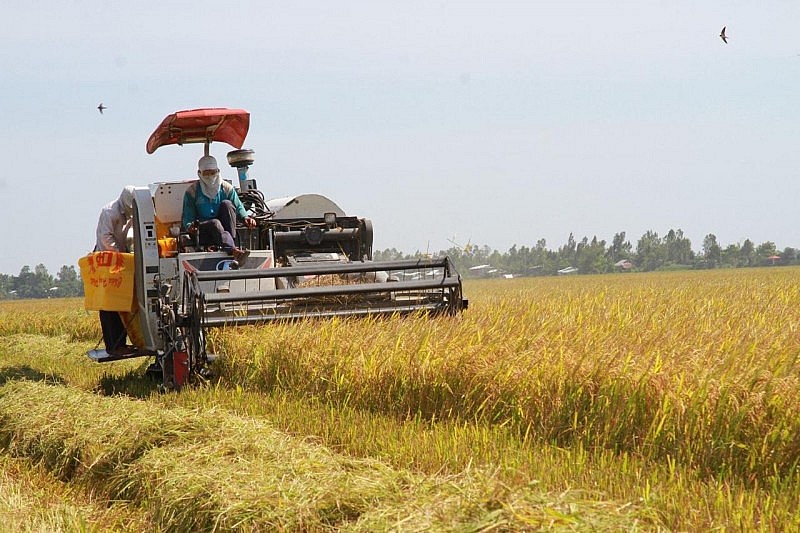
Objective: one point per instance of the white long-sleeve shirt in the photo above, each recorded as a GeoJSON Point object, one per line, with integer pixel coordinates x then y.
{"type": "Point", "coordinates": [112, 228]}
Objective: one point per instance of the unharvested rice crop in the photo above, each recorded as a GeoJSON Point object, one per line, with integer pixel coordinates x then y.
{"type": "Point", "coordinates": [700, 367]}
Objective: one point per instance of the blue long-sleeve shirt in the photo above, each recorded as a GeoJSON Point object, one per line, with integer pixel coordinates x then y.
{"type": "Point", "coordinates": [198, 206]}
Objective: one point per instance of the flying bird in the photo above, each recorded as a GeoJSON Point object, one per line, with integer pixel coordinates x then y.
{"type": "Point", "coordinates": [723, 36]}
{"type": "Point", "coordinates": [101, 107]}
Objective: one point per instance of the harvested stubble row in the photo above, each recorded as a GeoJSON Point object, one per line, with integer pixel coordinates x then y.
{"type": "Point", "coordinates": [212, 470]}
{"type": "Point", "coordinates": [32, 500]}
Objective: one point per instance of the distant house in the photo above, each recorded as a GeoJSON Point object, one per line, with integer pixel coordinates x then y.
{"type": "Point", "coordinates": [624, 264]}
{"type": "Point", "coordinates": [568, 270]}
{"type": "Point", "coordinates": [488, 271]}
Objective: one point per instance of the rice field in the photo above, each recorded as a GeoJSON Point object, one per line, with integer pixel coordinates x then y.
{"type": "Point", "coordinates": [663, 401]}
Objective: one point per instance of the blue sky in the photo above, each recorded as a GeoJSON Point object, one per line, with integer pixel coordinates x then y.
{"type": "Point", "coordinates": [493, 122]}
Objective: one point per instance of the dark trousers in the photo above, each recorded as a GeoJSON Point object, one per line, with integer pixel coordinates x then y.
{"type": "Point", "coordinates": [114, 332]}
{"type": "Point", "coordinates": [220, 231]}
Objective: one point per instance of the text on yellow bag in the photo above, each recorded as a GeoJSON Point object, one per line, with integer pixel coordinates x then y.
{"type": "Point", "coordinates": [108, 281]}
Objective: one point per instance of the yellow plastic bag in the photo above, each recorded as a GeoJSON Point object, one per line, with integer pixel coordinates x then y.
{"type": "Point", "coordinates": [134, 328]}
{"type": "Point", "coordinates": [108, 281]}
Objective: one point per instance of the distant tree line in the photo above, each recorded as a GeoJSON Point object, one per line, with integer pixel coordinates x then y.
{"type": "Point", "coordinates": [652, 252]}
{"type": "Point", "coordinates": [38, 283]}
{"type": "Point", "coordinates": [673, 251]}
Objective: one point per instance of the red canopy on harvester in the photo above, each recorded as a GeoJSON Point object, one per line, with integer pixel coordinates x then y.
{"type": "Point", "coordinates": [201, 126]}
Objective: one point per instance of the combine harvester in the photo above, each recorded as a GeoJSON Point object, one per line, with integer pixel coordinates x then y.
{"type": "Point", "coordinates": [308, 258]}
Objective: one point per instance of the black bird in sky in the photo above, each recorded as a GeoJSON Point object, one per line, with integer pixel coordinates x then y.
{"type": "Point", "coordinates": [101, 107]}
{"type": "Point", "coordinates": [723, 36]}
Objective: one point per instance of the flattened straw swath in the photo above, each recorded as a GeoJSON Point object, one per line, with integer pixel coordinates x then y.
{"type": "Point", "coordinates": [212, 470]}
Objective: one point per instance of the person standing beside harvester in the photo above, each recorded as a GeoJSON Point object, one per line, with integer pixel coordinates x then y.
{"type": "Point", "coordinates": [112, 236]}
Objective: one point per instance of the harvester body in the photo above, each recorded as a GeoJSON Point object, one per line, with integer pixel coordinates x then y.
{"type": "Point", "coordinates": [307, 258]}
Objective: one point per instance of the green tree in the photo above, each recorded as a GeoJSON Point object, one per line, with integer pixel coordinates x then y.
{"type": "Point", "coordinates": [619, 249]}
{"type": "Point", "coordinates": [678, 248]}
{"type": "Point", "coordinates": [540, 259]}
{"type": "Point", "coordinates": [390, 254]}
{"type": "Point", "coordinates": [566, 254]}
{"type": "Point", "coordinates": [764, 251]}
{"type": "Point", "coordinates": [711, 250]}
{"type": "Point", "coordinates": [747, 253]}
{"type": "Point", "coordinates": [6, 286]}
{"type": "Point", "coordinates": [731, 255]}
{"type": "Point", "coordinates": [650, 251]}
{"type": "Point", "coordinates": [34, 284]}
{"type": "Point", "coordinates": [591, 256]}
{"type": "Point", "coordinates": [68, 282]}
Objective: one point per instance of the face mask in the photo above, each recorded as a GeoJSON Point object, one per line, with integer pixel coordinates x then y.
{"type": "Point", "coordinates": [210, 184]}
{"type": "Point", "coordinates": [208, 179]}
